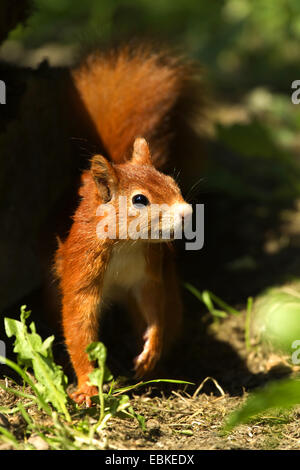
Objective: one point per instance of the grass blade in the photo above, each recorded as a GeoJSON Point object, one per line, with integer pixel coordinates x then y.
{"type": "Point", "coordinates": [42, 403]}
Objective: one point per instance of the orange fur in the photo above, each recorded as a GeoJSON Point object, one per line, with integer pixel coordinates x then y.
{"type": "Point", "coordinates": [138, 91]}
{"type": "Point", "coordinates": [126, 95]}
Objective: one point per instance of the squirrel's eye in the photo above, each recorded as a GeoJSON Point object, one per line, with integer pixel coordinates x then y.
{"type": "Point", "coordinates": [140, 200]}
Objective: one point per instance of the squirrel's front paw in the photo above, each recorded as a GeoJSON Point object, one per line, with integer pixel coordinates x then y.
{"type": "Point", "coordinates": [146, 361]}
{"type": "Point", "coordinates": [83, 394]}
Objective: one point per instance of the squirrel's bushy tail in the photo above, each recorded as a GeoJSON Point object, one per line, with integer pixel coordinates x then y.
{"type": "Point", "coordinates": [134, 92]}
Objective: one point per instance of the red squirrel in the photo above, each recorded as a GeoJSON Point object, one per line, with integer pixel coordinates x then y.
{"type": "Point", "coordinates": [131, 98]}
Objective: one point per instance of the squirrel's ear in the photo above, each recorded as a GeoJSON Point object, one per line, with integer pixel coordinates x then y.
{"type": "Point", "coordinates": [104, 176]}
{"type": "Point", "coordinates": [141, 153]}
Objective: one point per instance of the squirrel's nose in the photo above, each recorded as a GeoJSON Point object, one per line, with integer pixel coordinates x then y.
{"type": "Point", "coordinates": [184, 210]}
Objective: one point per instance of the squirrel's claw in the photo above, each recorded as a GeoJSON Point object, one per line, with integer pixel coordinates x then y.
{"type": "Point", "coordinates": [83, 395]}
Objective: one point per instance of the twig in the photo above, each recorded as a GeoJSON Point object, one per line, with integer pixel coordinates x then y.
{"type": "Point", "coordinates": [204, 382]}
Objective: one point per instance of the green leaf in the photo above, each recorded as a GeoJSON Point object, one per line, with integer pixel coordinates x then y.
{"type": "Point", "coordinates": [95, 377]}
{"type": "Point", "coordinates": [142, 422]}
{"type": "Point", "coordinates": [140, 418]}
{"type": "Point", "coordinates": [33, 352]}
{"type": "Point", "coordinates": [282, 394]}
{"type": "Point", "coordinates": [24, 314]}
{"type": "Point", "coordinates": [97, 352]}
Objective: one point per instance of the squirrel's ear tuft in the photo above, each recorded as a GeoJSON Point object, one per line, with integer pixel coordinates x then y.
{"type": "Point", "coordinates": [141, 153]}
{"type": "Point", "coordinates": [104, 176]}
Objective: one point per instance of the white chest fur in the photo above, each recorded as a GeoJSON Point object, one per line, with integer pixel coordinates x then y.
{"type": "Point", "coordinates": [125, 270]}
